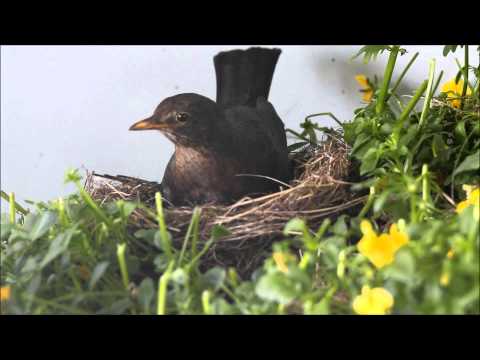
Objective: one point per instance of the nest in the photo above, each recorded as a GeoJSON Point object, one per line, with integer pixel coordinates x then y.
{"type": "Point", "coordinates": [320, 189]}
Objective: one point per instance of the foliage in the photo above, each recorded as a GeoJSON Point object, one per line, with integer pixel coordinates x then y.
{"type": "Point", "coordinates": [413, 248]}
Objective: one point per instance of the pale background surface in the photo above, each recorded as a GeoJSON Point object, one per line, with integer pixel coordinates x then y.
{"type": "Point", "coordinates": [71, 106]}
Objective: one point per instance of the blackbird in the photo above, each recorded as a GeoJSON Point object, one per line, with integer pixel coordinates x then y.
{"type": "Point", "coordinates": [230, 148]}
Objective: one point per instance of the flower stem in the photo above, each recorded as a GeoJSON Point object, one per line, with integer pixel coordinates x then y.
{"type": "Point", "coordinates": [18, 207]}
{"type": "Point", "coordinates": [426, 104]}
{"type": "Point", "coordinates": [437, 83]}
{"type": "Point", "coordinates": [369, 203]}
{"type": "Point", "coordinates": [89, 201]}
{"type": "Point", "coordinates": [425, 184]}
{"type": "Point", "coordinates": [195, 236]}
{"type": "Point", "coordinates": [123, 265]}
{"type": "Point", "coordinates": [478, 79]}
{"type": "Point", "coordinates": [61, 211]}
{"type": "Point", "coordinates": [191, 226]}
{"type": "Point", "coordinates": [163, 228]}
{"type": "Point", "coordinates": [300, 136]}
{"type": "Point", "coordinates": [465, 76]}
{"type": "Point", "coordinates": [407, 110]}
{"type": "Point", "coordinates": [322, 229]}
{"type": "Point", "coordinates": [207, 309]}
{"type": "Point", "coordinates": [162, 289]}
{"type": "Point", "coordinates": [404, 72]}
{"type": "Point", "coordinates": [387, 77]}
{"type": "Point", "coordinates": [413, 208]}
{"type": "Point", "coordinates": [12, 207]}
{"type": "Point", "coordinates": [325, 114]}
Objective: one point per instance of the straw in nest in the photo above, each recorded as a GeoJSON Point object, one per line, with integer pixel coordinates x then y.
{"type": "Point", "coordinates": [320, 189]}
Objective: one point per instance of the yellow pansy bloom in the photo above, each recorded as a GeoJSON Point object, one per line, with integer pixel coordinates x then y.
{"type": "Point", "coordinates": [380, 250]}
{"type": "Point", "coordinates": [450, 254]}
{"type": "Point", "coordinates": [5, 293]}
{"type": "Point", "coordinates": [366, 88]}
{"type": "Point", "coordinates": [280, 260]}
{"type": "Point", "coordinates": [473, 198]}
{"type": "Point", "coordinates": [376, 301]}
{"type": "Point", "coordinates": [454, 91]}
{"type": "Point", "coordinates": [444, 279]}
{"type": "Point", "coordinates": [468, 189]}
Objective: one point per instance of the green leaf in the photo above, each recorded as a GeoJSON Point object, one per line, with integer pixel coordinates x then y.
{"type": "Point", "coordinates": [386, 129]}
{"type": "Point", "coordinates": [295, 225]}
{"type": "Point", "coordinates": [467, 221]}
{"type": "Point", "coordinates": [276, 287]}
{"type": "Point", "coordinates": [118, 307]}
{"type": "Point", "coordinates": [218, 231]}
{"type": "Point", "coordinates": [146, 293]}
{"type": "Point", "coordinates": [72, 175]}
{"type": "Point", "coordinates": [460, 132]}
{"type": "Point", "coordinates": [360, 152]}
{"type": "Point", "coordinates": [98, 273]}
{"type": "Point", "coordinates": [449, 49]}
{"type": "Point", "coordinates": [296, 146]}
{"type": "Point", "coordinates": [146, 234]}
{"type": "Point", "coordinates": [369, 161]}
{"type": "Point", "coordinates": [438, 145]}
{"type": "Point", "coordinates": [370, 52]}
{"type": "Point", "coordinates": [380, 201]}
{"type": "Point", "coordinates": [458, 76]}
{"type": "Point", "coordinates": [30, 265]}
{"type": "Point", "coordinates": [127, 207]}
{"type": "Point", "coordinates": [340, 227]}
{"type": "Point", "coordinates": [39, 224]}
{"type": "Point", "coordinates": [403, 268]}
{"type": "Point", "coordinates": [320, 308]}
{"type": "Point", "coordinates": [360, 141]}
{"type": "Point", "coordinates": [161, 262]}
{"type": "Point", "coordinates": [349, 132]}
{"type": "Point", "coordinates": [158, 241]}
{"type": "Point", "coordinates": [58, 246]}
{"type": "Point", "coordinates": [409, 136]}
{"type": "Point", "coordinates": [179, 276]}
{"type": "Point", "coordinates": [471, 163]}
{"type": "Point", "coordinates": [5, 230]}
{"type": "Point", "coordinates": [34, 284]}
{"type": "Point", "coordinates": [214, 278]}
{"type": "Point", "coordinates": [111, 208]}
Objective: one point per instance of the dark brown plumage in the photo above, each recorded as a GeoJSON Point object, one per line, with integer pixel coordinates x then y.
{"type": "Point", "coordinates": [224, 150]}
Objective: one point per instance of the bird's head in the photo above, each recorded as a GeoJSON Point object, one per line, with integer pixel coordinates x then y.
{"type": "Point", "coordinates": [186, 119]}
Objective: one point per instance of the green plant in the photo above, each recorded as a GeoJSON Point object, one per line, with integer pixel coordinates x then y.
{"type": "Point", "coordinates": [75, 256]}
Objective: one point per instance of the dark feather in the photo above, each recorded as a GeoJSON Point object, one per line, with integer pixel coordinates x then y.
{"type": "Point", "coordinates": [244, 75]}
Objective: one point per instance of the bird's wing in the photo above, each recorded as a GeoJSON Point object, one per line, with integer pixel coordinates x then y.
{"type": "Point", "coordinates": [273, 125]}
{"type": "Point", "coordinates": [259, 138]}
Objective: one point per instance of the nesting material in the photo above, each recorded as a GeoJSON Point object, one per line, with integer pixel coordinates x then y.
{"type": "Point", "coordinates": [320, 189]}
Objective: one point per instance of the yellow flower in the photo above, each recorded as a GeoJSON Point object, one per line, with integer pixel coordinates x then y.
{"type": "Point", "coordinates": [5, 293]}
{"type": "Point", "coordinates": [468, 189]}
{"type": "Point", "coordinates": [398, 238]}
{"type": "Point", "coordinates": [473, 198]}
{"type": "Point", "coordinates": [280, 260]}
{"type": "Point", "coordinates": [450, 254]}
{"type": "Point", "coordinates": [444, 279]}
{"type": "Point", "coordinates": [376, 301]}
{"type": "Point", "coordinates": [366, 87]}
{"type": "Point", "coordinates": [380, 250]}
{"type": "Point", "coordinates": [454, 92]}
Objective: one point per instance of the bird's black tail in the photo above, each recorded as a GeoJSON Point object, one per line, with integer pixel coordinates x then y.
{"type": "Point", "coordinates": [244, 75]}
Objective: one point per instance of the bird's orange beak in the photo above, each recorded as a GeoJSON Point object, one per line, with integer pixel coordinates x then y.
{"type": "Point", "coordinates": [148, 124]}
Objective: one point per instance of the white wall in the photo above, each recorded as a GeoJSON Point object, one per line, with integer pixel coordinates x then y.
{"type": "Point", "coordinates": [71, 106]}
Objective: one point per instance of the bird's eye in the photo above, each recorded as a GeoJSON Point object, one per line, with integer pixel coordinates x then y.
{"type": "Point", "coordinates": [182, 117]}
